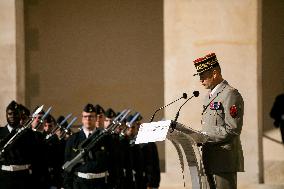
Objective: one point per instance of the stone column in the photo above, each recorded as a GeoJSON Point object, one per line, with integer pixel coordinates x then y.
{"type": "Point", "coordinates": [12, 63]}
{"type": "Point", "coordinates": [230, 29]}
{"type": "Point", "coordinates": [7, 56]}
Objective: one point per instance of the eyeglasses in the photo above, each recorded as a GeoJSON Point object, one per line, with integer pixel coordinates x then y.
{"type": "Point", "coordinates": [89, 116]}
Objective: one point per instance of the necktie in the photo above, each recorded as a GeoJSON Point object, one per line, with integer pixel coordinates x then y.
{"type": "Point", "coordinates": [89, 135]}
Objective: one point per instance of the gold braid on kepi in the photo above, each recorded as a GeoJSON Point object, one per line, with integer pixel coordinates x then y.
{"type": "Point", "coordinates": [205, 63]}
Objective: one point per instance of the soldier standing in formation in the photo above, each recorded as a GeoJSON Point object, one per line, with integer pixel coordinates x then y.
{"type": "Point", "coordinates": [34, 160]}
{"type": "Point", "coordinates": [222, 121]}
{"type": "Point", "coordinates": [140, 162]}
{"type": "Point", "coordinates": [20, 166]}
{"type": "Point", "coordinates": [97, 170]}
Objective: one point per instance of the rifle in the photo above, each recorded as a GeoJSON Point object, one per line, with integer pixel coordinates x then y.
{"type": "Point", "coordinates": [92, 140]}
{"type": "Point", "coordinates": [42, 119]}
{"type": "Point", "coordinates": [58, 126]}
{"type": "Point", "coordinates": [129, 124]}
{"type": "Point", "coordinates": [66, 130]}
{"type": "Point", "coordinates": [19, 132]}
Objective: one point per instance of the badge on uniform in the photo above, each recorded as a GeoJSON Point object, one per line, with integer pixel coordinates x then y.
{"type": "Point", "coordinates": [234, 111]}
{"type": "Point", "coordinates": [215, 105]}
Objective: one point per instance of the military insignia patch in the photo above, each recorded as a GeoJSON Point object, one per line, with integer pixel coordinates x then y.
{"type": "Point", "coordinates": [215, 105]}
{"type": "Point", "coordinates": [233, 111]}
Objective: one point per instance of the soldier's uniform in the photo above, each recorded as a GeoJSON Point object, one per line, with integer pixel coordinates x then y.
{"type": "Point", "coordinates": [277, 113]}
{"type": "Point", "coordinates": [109, 116]}
{"type": "Point", "coordinates": [54, 156]}
{"type": "Point", "coordinates": [100, 116]}
{"type": "Point", "coordinates": [97, 171]}
{"type": "Point", "coordinates": [20, 164]}
{"type": "Point", "coordinates": [222, 120]}
{"type": "Point", "coordinates": [151, 171]}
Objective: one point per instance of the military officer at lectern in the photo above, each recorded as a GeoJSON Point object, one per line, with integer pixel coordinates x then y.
{"type": "Point", "coordinates": [222, 121]}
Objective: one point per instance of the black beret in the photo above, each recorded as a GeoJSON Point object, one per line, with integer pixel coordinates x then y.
{"type": "Point", "coordinates": [49, 119]}
{"type": "Point", "coordinates": [60, 119]}
{"type": "Point", "coordinates": [110, 113]}
{"type": "Point", "coordinates": [89, 108]}
{"type": "Point", "coordinates": [99, 109]}
{"type": "Point", "coordinates": [24, 110]}
{"type": "Point", "coordinates": [129, 118]}
{"type": "Point", "coordinates": [13, 106]}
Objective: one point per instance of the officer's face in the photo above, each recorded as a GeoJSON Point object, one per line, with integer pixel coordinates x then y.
{"type": "Point", "coordinates": [100, 120]}
{"type": "Point", "coordinates": [133, 130]}
{"type": "Point", "coordinates": [13, 118]}
{"type": "Point", "coordinates": [207, 79]}
{"type": "Point", "coordinates": [89, 120]}
{"type": "Point", "coordinates": [48, 127]}
{"type": "Point", "coordinates": [107, 122]}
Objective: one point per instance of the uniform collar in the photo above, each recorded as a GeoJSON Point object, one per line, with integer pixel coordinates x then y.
{"type": "Point", "coordinates": [87, 132]}
{"type": "Point", "coordinates": [213, 91]}
{"type": "Point", "coordinates": [9, 128]}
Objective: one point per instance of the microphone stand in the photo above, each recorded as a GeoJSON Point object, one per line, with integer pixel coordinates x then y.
{"type": "Point", "coordinates": [173, 124]}
{"type": "Point", "coordinates": [184, 95]}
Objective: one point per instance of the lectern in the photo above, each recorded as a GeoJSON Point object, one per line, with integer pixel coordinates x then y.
{"type": "Point", "coordinates": [185, 140]}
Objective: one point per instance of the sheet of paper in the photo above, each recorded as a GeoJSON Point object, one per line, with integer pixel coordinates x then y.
{"type": "Point", "coordinates": [152, 132]}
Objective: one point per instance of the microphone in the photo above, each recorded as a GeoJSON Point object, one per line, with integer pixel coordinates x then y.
{"type": "Point", "coordinates": [184, 95]}
{"type": "Point", "coordinates": [173, 125]}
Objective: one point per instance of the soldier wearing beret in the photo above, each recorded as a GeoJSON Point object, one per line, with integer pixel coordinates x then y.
{"type": "Point", "coordinates": [109, 116]}
{"type": "Point", "coordinates": [100, 112]}
{"type": "Point", "coordinates": [132, 161]}
{"type": "Point", "coordinates": [54, 154]}
{"type": "Point", "coordinates": [97, 169]}
{"type": "Point", "coordinates": [20, 164]}
{"type": "Point", "coordinates": [222, 121]}
{"type": "Point", "coordinates": [24, 114]}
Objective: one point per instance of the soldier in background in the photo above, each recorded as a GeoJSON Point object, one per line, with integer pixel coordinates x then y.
{"type": "Point", "coordinates": [109, 116]}
{"type": "Point", "coordinates": [20, 165]}
{"type": "Point", "coordinates": [97, 171]}
{"type": "Point", "coordinates": [54, 154]}
{"type": "Point", "coordinates": [24, 114]}
{"type": "Point", "coordinates": [132, 158]}
{"type": "Point", "coordinates": [277, 113]}
{"type": "Point", "coordinates": [100, 112]}
{"type": "Point", "coordinates": [49, 124]}
{"type": "Point", "coordinates": [151, 171]}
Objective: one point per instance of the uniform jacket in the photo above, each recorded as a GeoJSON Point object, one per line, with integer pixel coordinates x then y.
{"type": "Point", "coordinates": [222, 120]}
{"type": "Point", "coordinates": [27, 149]}
{"type": "Point", "coordinates": [98, 160]}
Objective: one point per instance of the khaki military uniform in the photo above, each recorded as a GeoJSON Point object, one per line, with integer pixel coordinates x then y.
{"type": "Point", "coordinates": [222, 120]}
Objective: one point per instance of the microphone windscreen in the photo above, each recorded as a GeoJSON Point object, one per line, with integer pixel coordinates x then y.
{"type": "Point", "coordinates": [196, 93]}
{"type": "Point", "coordinates": [184, 95]}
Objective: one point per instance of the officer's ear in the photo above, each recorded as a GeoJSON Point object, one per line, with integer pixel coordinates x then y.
{"type": "Point", "coordinates": [215, 74]}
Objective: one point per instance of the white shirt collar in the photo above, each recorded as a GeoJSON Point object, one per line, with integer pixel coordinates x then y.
{"type": "Point", "coordinates": [215, 88]}
{"type": "Point", "coordinates": [10, 128]}
{"type": "Point", "coordinates": [87, 132]}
